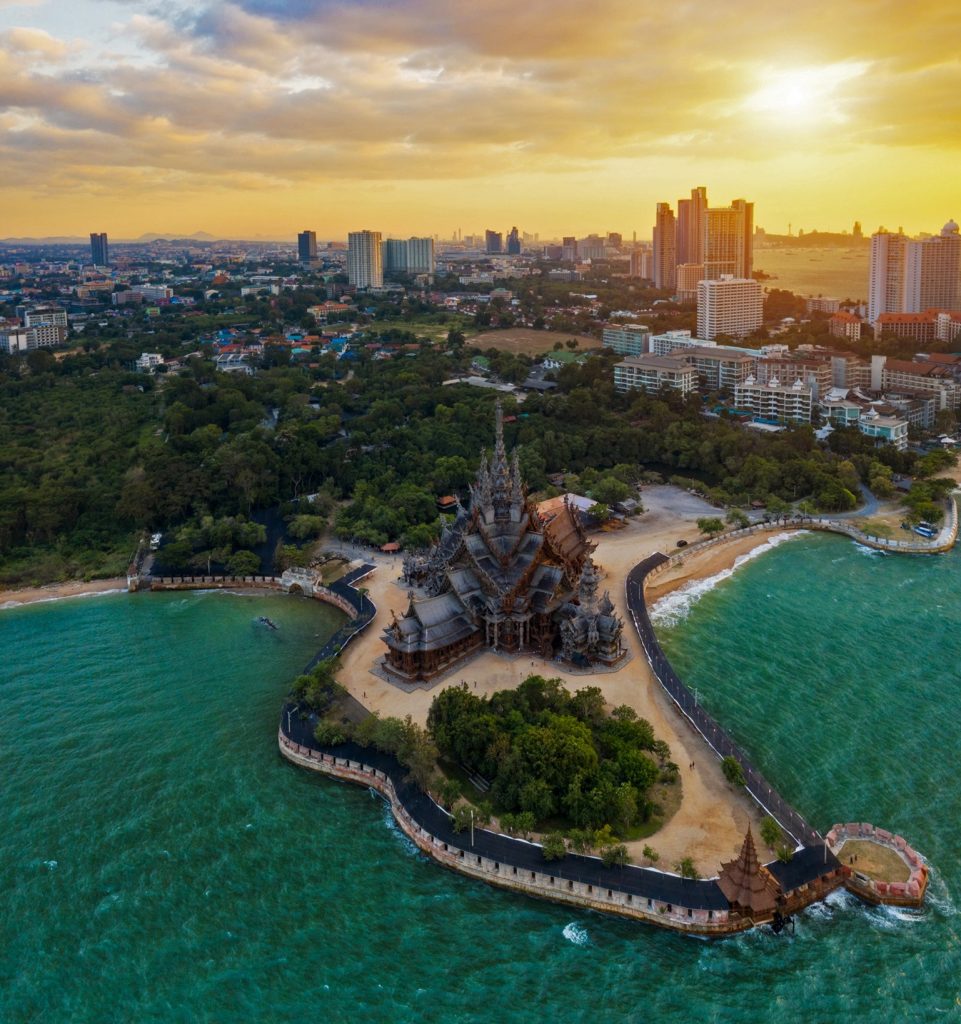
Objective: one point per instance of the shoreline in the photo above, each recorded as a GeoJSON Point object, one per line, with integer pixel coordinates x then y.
{"type": "Point", "coordinates": [21, 596]}
{"type": "Point", "coordinates": [720, 561]}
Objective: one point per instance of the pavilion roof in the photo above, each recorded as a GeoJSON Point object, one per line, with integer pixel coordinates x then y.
{"type": "Point", "coordinates": [746, 882]}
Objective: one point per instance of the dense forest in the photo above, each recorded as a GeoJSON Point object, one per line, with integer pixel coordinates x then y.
{"type": "Point", "coordinates": [94, 454]}
{"type": "Point", "coordinates": [555, 755]}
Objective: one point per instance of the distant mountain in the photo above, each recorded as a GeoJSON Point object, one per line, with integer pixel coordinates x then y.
{"type": "Point", "coordinates": [144, 239]}
{"type": "Point", "coordinates": [153, 236]}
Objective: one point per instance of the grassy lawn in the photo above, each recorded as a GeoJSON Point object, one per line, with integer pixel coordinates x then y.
{"type": "Point", "coordinates": [528, 341]}
{"type": "Point", "coordinates": [423, 327]}
{"type": "Point", "coordinates": [874, 860]}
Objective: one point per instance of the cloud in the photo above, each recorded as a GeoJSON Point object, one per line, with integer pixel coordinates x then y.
{"type": "Point", "coordinates": [291, 92]}
{"type": "Point", "coordinates": [33, 41]}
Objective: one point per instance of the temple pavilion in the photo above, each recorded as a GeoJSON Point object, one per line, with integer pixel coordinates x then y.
{"type": "Point", "coordinates": [501, 579]}
{"type": "Point", "coordinates": [749, 886]}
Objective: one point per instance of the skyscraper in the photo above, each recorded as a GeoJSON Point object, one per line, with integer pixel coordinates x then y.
{"type": "Point", "coordinates": [940, 267]}
{"type": "Point", "coordinates": [690, 226]}
{"type": "Point", "coordinates": [493, 241]}
{"type": "Point", "coordinates": [727, 240]}
{"type": "Point", "coordinates": [307, 246]}
{"type": "Point", "coordinates": [665, 252]}
{"type": "Point", "coordinates": [395, 256]}
{"type": "Point", "coordinates": [365, 264]}
{"type": "Point", "coordinates": [420, 255]}
{"type": "Point", "coordinates": [913, 275]}
{"type": "Point", "coordinates": [513, 243]}
{"type": "Point", "coordinates": [98, 249]}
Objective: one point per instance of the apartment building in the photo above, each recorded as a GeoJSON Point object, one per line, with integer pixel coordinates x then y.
{"type": "Point", "coordinates": [651, 373]}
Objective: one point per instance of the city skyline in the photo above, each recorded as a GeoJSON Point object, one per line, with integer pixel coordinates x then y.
{"type": "Point", "coordinates": [423, 118]}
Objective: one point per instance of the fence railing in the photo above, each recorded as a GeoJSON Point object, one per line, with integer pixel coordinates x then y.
{"type": "Point", "coordinates": [763, 793]}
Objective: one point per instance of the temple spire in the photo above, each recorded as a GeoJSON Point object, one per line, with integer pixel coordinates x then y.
{"type": "Point", "coordinates": [517, 481]}
{"type": "Point", "coordinates": [500, 469]}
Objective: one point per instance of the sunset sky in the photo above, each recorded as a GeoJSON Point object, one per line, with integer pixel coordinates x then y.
{"type": "Point", "coordinates": [262, 117]}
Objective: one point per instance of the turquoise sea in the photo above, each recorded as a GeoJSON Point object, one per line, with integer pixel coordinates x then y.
{"type": "Point", "coordinates": [159, 862]}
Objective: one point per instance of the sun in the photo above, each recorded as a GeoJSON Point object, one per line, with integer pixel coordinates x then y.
{"type": "Point", "coordinates": [804, 93]}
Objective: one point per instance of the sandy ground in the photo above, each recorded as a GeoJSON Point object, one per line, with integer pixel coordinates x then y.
{"type": "Point", "coordinates": [55, 591]}
{"type": "Point", "coordinates": [712, 819]}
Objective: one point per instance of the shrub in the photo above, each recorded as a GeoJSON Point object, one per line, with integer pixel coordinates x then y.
{"type": "Point", "coordinates": [686, 869]}
{"type": "Point", "coordinates": [733, 771]}
{"type": "Point", "coordinates": [770, 831]}
{"type": "Point", "coordinates": [615, 855]}
{"type": "Point", "coordinates": [554, 847]}
{"type": "Point", "coordinates": [330, 734]}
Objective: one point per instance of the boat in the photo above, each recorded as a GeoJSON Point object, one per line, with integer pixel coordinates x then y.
{"type": "Point", "coordinates": [925, 530]}
{"type": "Point", "coordinates": [264, 621]}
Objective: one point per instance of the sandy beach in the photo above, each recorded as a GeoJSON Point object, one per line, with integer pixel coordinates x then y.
{"type": "Point", "coordinates": [710, 824]}
{"type": "Point", "coordinates": [58, 591]}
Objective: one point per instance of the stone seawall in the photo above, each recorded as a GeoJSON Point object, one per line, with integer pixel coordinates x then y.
{"type": "Point", "coordinates": [319, 593]}
{"type": "Point", "coordinates": [904, 894]}
{"type": "Point", "coordinates": [945, 540]}
{"type": "Point", "coordinates": [539, 883]}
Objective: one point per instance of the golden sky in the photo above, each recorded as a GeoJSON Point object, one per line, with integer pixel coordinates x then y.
{"type": "Point", "coordinates": [263, 117]}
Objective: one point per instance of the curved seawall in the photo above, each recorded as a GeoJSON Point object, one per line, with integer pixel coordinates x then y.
{"type": "Point", "coordinates": [763, 793]}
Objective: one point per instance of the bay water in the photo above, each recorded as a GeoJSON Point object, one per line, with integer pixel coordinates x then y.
{"type": "Point", "coordinates": [160, 862]}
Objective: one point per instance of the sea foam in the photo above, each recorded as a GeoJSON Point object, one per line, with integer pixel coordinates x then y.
{"type": "Point", "coordinates": [675, 606]}
{"type": "Point", "coordinates": [575, 934]}
{"type": "Point", "coordinates": [6, 605]}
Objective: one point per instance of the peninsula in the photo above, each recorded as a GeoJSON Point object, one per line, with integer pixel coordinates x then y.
{"type": "Point", "coordinates": [485, 569]}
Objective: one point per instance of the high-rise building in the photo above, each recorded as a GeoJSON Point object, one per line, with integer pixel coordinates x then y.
{"type": "Point", "coordinates": [395, 256]}
{"type": "Point", "coordinates": [365, 264]}
{"type": "Point", "coordinates": [307, 246]}
{"type": "Point", "coordinates": [912, 275]}
{"type": "Point", "coordinates": [569, 248]}
{"type": "Point", "coordinates": [420, 255]}
{"type": "Point", "coordinates": [513, 243]}
{"type": "Point", "coordinates": [98, 249]}
{"type": "Point", "coordinates": [727, 241]}
{"type": "Point", "coordinates": [493, 241]}
{"type": "Point", "coordinates": [615, 239]}
{"type": "Point", "coordinates": [728, 305]}
{"type": "Point", "coordinates": [665, 252]}
{"type": "Point", "coordinates": [886, 279]}
{"type": "Point", "coordinates": [939, 269]}
{"type": "Point", "coordinates": [690, 226]}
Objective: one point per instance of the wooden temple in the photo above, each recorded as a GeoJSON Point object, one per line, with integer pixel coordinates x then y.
{"type": "Point", "coordinates": [498, 578]}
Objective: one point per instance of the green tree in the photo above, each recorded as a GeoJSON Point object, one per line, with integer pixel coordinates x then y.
{"type": "Point", "coordinates": [651, 855]}
{"type": "Point", "coordinates": [615, 855]}
{"type": "Point", "coordinates": [686, 869]}
{"type": "Point", "coordinates": [710, 525]}
{"type": "Point", "coordinates": [736, 518]}
{"type": "Point", "coordinates": [553, 846]}
{"type": "Point", "coordinates": [770, 831]}
{"type": "Point", "coordinates": [733, 771]}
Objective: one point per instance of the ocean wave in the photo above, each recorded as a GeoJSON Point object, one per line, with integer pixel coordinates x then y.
{"type": "Point", "coordinates": [869, 552]}
{"type": "Point", "coordinates": [6, 605]}
{"type": "Point", "coordinates": [575, 934]}
{"type": "Point", "coordinates": [675, 606]}
{"type": "Point", "coordinates": [391, 822]}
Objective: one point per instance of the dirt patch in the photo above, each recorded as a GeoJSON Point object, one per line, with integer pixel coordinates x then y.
{"type": "Point", "coordinates": [528, 341]}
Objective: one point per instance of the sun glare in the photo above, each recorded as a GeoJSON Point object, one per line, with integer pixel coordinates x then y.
{"type": "Point", "coordinates": [804, 93]}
